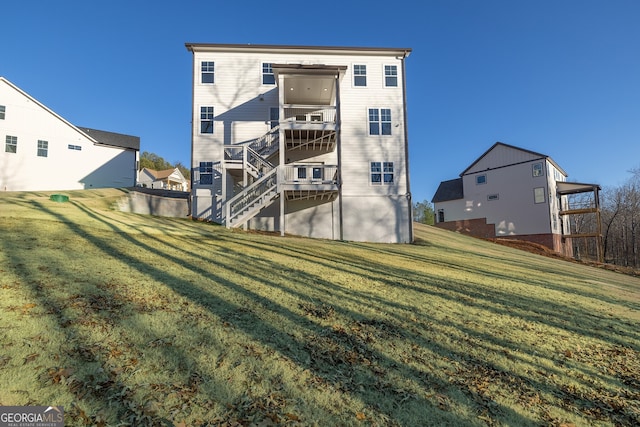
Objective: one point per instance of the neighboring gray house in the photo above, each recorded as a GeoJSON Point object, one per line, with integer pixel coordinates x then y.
{"type": "Point", "coordinates": [305, 140]}
{"type": "Point", "coordinates": [515, 193]}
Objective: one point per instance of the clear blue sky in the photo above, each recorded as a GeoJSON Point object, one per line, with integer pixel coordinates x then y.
{"type": "Point", "coordinates": [560, 77]}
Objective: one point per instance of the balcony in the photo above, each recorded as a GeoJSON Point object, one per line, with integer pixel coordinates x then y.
{"type": "Point", "coordinates": [309, 181]}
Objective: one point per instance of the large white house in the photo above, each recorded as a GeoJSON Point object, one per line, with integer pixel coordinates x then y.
{"type": "Point", "coordinates": [515, 193]}
{"type": "Point", "coordinates": [304, 140]}
{"type": "Point", "coordinates": [42, 151]}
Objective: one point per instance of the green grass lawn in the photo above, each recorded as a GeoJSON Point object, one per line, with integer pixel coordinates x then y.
{"type": "Point", "coordinates": [127, 319]}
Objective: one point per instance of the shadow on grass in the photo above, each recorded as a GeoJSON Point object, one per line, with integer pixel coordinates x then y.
{"type": "Point", "coordinates": [342, 356]}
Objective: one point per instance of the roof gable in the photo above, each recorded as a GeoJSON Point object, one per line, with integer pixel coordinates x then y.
{"type": "Point", "coordinates": [45, 108]}
{"type": "Point", "coordinates": [501, 155]}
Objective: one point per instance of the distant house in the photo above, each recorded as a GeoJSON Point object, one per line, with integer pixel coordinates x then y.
{"type": "Point", "coordinates": [168, 179]}
{"type": "Point", "coordinates": [304, 140]}
{"type": "Point", "coordinates": [514, 193]}
{"type": "Point", "coordinates": [43, 151]}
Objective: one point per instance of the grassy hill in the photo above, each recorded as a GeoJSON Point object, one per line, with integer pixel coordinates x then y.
{"type": "Point", "coordinates": [134, 320]}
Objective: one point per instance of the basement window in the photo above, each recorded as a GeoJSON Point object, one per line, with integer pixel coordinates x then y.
{"type": "Point", "coordinates": [206, 173]}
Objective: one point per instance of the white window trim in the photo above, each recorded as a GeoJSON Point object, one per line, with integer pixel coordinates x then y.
{"type": "Point", "coordinates": [369, 134]}
{"type": "Point", "coordinates": [199, 122]}
{"type": "Point", "coordinates": [353, 76]}
{"type": "Point", "coordinates": [384, 76]}
{"type": "Point", "coordinates": [262, 74]}
{"type": "Point", "coordinates": [200, 73]}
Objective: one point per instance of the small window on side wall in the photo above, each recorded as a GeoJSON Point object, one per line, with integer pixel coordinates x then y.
{"type": "Point", "coordinates": [3, 109]}
{"type": "Point", "coordinates": [538, 169]}
{"type": "Point", "coordinates": [481, 179]}
{"type": "Point", "coordinates": [538, 195]}
{"type": "Point", "coordinates": [491, 197]}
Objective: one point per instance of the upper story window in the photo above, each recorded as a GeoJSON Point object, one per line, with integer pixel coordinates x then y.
{"type": "Point", "coordinates": [379, 121]}
{"type": "Point", "coordinates": [382, 173]}
{"type": "Point", "coordinates": [268, 76]}
{"type": "Point", "coordinates": [538, 169]}
{"type": "Point", "coordinates": [43, 148]}
{"type": "Point", "coordinates": [3, 109]}
{"type": "Point", "coordinates": [481, 179]}
{"type": "Point", "coordinates": [207, 72]}
{"type": "Point", "coordinates": [359, 75]}
{"type": "Point", "coordinates": [74, 147]}
{"type": "Point", "coordinates": [206, 119]}
{"type": "Point", "coordinates": [390, 75]}
{"type": "Point", "coordinates": [11, 144]}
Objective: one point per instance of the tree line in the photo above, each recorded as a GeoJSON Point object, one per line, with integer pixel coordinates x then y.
{"type": "Point", "coordinates": [620, 213]}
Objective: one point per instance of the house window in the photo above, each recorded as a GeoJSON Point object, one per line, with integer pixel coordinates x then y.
{"type": "Point", "coordinates": [316, 173]}
{"type": "Point", "coordinates": [3, 109]}
{"type": "Point", "coordinates": [359, 75]}
{"type": "Point", "coordinates": [268, 77]}
{"type": "Point", "coordinates": [537, 169]}
{"type": "Point", "coordinates": [11, 144]}
{"type": "Point", "coordinates": [74, 147]}
{"type": "Point", "coordinates": [206, 119]}
{"type": "Point", "coordinates": [379, 121]}
{"type": "Point", "coordinates": [538, 195]}
{"type": "Point", "coordinates": [382, 173]}
{"type": "Point", "coordinates": [491, 197]}
{"type": "Point", "coordinates": [481, 179]}
{"type": "Point", "coordinates": [206, 173]}
{"type": "Point", "coordinates": [274, 116]}
{"type": "Point", "coordinates": [207, 75]}
{"type": "Point", "coordinates": [390, 75]}
{"type": "Point", "coordinates": [440, 215]}
{"type": "Point", "coordinates": [302, 173]}
{"type": "Point", "coordinates": [43, 148]}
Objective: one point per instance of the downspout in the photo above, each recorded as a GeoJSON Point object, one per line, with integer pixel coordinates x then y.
{"type": "Point", "coordinates": [191, 168]}
{"type": "Point", "coordinates": [339, 149]}
{"type": "Point", "coordinates": [406, 146]}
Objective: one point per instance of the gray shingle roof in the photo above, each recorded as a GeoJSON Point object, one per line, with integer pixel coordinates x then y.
{"type": "Point", "coordinates": [113, 139]}
{"type": "Point", "coordinates": [449, 190]}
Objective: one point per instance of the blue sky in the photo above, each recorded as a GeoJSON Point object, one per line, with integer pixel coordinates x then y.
{"type": "Point", "coordinates": [558, 77]}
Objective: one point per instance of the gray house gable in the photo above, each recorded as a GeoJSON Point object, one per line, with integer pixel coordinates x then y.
{"type": "Point", "coordinates": [502, 155]}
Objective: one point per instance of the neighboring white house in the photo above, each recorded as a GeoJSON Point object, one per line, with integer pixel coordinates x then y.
{"type": "Point", "coordinates": [42, 151]}
{"type": "Point", "coordinates": [512, 192]}
{"type": "Point", "coordinates": [305, 140]}
{"type": "Point", "coordinates": [168, 179]}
